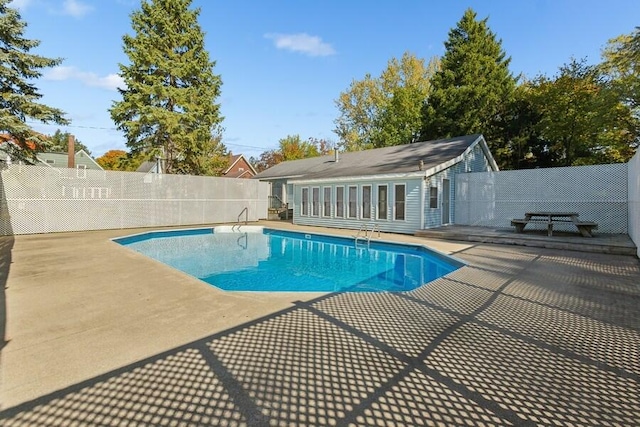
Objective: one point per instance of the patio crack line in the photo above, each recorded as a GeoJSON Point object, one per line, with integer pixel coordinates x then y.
{"type": "Point", "coordinates": [415, 362]}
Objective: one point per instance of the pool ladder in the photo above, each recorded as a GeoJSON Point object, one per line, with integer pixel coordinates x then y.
{"type": "Point", "coordinates": [236, 226]}
{"type": "Point", "coordinates": [365, 233]}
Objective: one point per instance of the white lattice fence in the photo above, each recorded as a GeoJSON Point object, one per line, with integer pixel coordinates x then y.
{"type": "Point", "coordinates": [634, 200]}
{"type": "Point", "coordinates": [598, 193]}
{"type": "Point", "coordinates": [41, 200]}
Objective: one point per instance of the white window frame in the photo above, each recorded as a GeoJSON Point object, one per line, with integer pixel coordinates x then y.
{"type": "Point", "coordinates": [315, 201]}
{"type": "Point", "coordinates": [433, 199]}
{"type": "Point", "coordinates": [365, 212]}
{"type": "Point", "coordinates": [386, 202]}
{"type": "Point", "coordinates": [304, 201]}
{"type": "Point", "coordinates": [326, 204]}
{"type": "Point", "coordinates": [395, 202]}
{"type": "Point", "coordinates": [81, 171]}
{"type": "Point", "coordinates": [352, 206]}
{"type": "Point", "coordinates": [340, 203]}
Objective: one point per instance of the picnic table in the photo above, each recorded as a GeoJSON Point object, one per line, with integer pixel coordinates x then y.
{"type": "Point", "coordinates": [549, 218]}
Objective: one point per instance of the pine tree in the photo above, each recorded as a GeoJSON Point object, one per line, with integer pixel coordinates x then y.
{"type": "Point", "coordinates": [18, 94]}
{"type": "Point", "coordinates": [168, 107]}
{"type": "Point", "coordinates": [473, 85]}
{"type": "Point", "coordinates": [59, 142]}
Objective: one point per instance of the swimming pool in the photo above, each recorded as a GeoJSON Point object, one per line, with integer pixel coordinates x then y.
{"type": "Point", "coordinates": [253, 258]}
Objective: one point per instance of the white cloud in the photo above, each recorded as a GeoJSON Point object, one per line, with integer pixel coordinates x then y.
{"type": "Point", "coordinates": [19, 4]}
{"type": "Point", "coordinates": [75, 8]}
{"type": "Point", "coordinates": [109, 82]}
{"type": "Point", "coordinates": [302, 43]}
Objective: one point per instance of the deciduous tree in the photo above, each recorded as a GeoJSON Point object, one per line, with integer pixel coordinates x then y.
{"type": "Point", "coordinates": [169, 107]}
{"type": "Point", "coordinates": [112, 160]}
{"type": "Point", "coordinates": [622, 63]}
{"type": "Point", "coordinates": [583, 120]}
{"type": "Point", "coordinates": [385, 111]}
{"type": "Point", "coordinates": [18, 94]}
{"type": "Point", "coordinates": [292, 148]}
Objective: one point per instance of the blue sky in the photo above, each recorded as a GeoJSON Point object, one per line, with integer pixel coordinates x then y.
{"type": "Point", "coordinates": [284, 62]}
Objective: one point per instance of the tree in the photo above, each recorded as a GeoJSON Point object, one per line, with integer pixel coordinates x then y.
{"type": "Point", "coordinates": [168, 107]}
{"type": "Point", "coordinates": [18, 100]}
{"type": "Point", "coordinates": [473, 87]}
{"type": "Point", "coordinates": [582, 119]}
{"type": "Point", "coordinates": [518, 127]}
{"type": "Point", "coordinates": [59, 142]}
{"type": "Point", "coordinates": [266, 160]}
{"type": "Point", "coordinates": [292, 148]}
{"type": "Point", "coordinates": [112, 160]}
{"type": "Point", "coordinates": [211, 159]}
{"type": "Point", "coordinates": [622, 63]}
{"type": "Point", "coordinates": [385, 111]}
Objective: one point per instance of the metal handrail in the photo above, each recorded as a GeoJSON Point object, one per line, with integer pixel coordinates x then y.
{"type": "Point", "coordinates": [280, 204]}
{"type": "Point", "coordinates": [365, 228]}
{"type": "Point", "coordinates": [244, 211]}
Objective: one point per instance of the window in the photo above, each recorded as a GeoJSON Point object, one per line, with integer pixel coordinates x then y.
{"type": "Point", "coordinates": [399, 201]}
{"type": "Point", "coordinates": [305, 201]}
{"type": "Point", "coordinates": [433, 197]}
{"type": "Point", "coordinates": [366, 201]}
{"type": "Point", "coordinates": [326, 201]}
{"type": "Point", "coordinates": [51, 162]}
{"type": "Point", "coordinates": [382, 201]}
{"type": "Point", "coordinates": [340, 202]}
{"type": "Point", "coordinates": [352, 208]}
{"type": "Point", "coordinates": [81, 171]}
{"type": "Point", "coordinates": [315, 201]}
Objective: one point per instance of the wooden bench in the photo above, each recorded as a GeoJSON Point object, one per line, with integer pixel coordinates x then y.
{"type": "Point", "coordinates": [520, 223]}
{"type": "Point", "coordinates": [585, 227]}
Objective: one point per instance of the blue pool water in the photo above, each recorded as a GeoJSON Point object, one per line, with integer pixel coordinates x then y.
{"type": "Point", "coordinates": [274, 260]}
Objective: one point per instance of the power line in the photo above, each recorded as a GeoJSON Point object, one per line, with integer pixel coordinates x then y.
{"type": "Point", "coordinates": [112, 128]}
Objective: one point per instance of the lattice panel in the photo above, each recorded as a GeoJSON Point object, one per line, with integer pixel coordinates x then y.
{"type": "Point", "coordinates": [36, 199]}
{"type": "Point", "coordinates": [598, 193]}
{"type": "Point", "coordinates": [634, 200]}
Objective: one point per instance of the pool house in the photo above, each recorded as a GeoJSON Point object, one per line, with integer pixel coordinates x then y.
{"type": "Point", "coordinates": [398, 189]}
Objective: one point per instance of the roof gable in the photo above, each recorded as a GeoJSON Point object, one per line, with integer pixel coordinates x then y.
{"type": "Point", "coordinates": [399, 159]}
{"type": "Point", "coordinates": [237, 160]}
{"type": "Point", "coordinates": [61, 160]}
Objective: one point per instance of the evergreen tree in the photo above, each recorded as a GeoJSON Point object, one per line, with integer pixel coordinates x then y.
{"type": "Point", "coordinates": [18, 95]}
{"type": "Point", "coordinates": [59, 142]}
{"type": "Point", "coordinates": [168, 107]}
{"type": "Point", "coordinates": [473, 86]}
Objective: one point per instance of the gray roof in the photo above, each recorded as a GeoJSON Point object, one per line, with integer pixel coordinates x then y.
{"type": "Point", "coordinates": [378, 161]}
{"type": "Point", "coordinates": [61, 160]}
{"type": "Point", "coordinates": [147, 166]}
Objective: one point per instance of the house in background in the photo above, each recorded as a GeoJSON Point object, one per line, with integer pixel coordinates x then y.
{"type": "Point", "coordinates": [150, 166]}
{"type": "Point", "coordinates": [81, 160]}
{"type": "Point", "coordinates": [239, 167]}
{"type": "Point", "coordinates": [401, 189]}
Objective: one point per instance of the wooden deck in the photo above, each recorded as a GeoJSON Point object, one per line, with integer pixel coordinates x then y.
{"type": "Point", "coordinates": [600, 243]}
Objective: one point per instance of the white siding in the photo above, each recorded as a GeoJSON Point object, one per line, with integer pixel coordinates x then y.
{"type": "Point", "coordinates": [475, 161]}
{"type": "Point", "coordinates": [409, 225]}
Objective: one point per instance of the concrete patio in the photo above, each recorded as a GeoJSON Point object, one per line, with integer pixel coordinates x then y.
{"type": "Point", "coordinates": [95, 334]}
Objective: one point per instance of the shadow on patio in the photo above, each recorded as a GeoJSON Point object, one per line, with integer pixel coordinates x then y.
{"type": "Point", "coordinates": [520, 337]}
